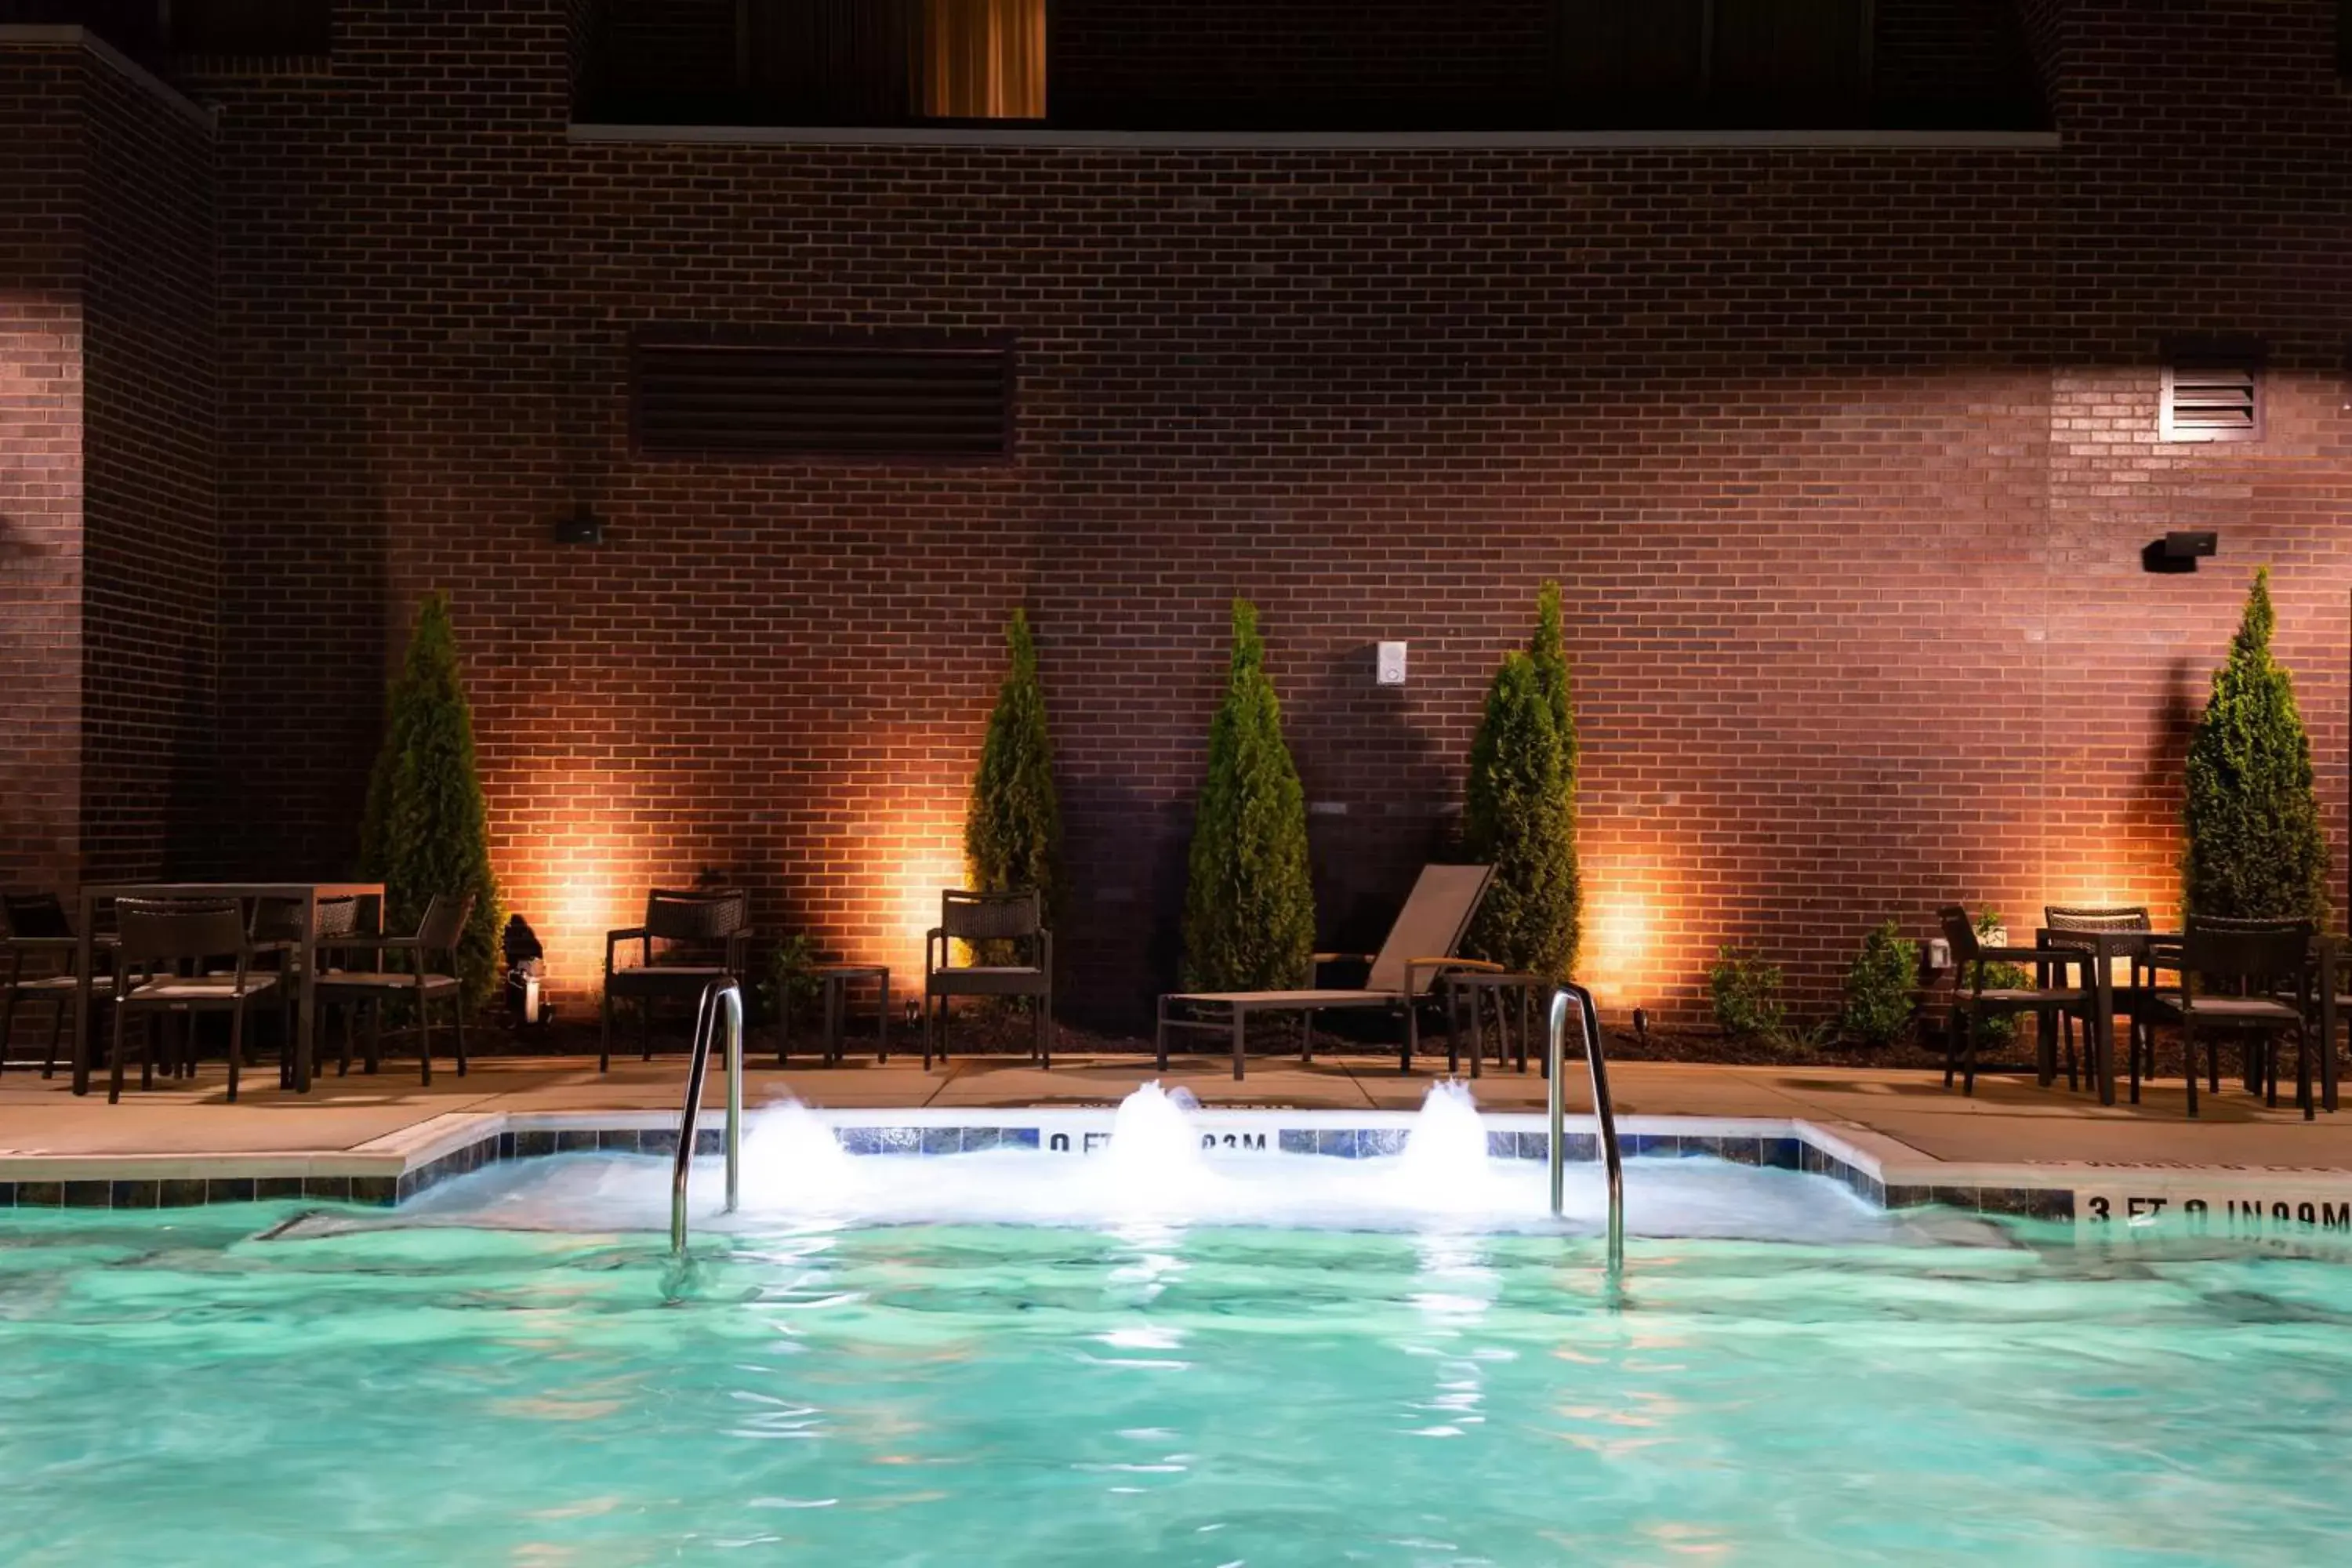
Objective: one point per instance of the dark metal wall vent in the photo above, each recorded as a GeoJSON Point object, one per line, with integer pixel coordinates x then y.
{"type": "Point", "coordinates": [839, 398]}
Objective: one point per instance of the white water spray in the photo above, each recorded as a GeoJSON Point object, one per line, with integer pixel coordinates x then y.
{"type": "Point", "coordinates": [1150, 1181]}
{"type": "Point", "coordinates": [792, 1159]}
{"type": "Point", "coordinates": [1444, 1163]}
{"type": "Point", "coordinates": [1154, 1159]}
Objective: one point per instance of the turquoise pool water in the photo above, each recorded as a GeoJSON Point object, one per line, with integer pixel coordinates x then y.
{"type": "Point", "coordinates": [174, 1389]}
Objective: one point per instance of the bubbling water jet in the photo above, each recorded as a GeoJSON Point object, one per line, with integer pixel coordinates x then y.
{"type": "Point", "coordinates": [1154, 1159]}
{"type": "Point", "coordinates": [1444, 1163]}
{"type": "Point", "coordinates": [792, 1159]}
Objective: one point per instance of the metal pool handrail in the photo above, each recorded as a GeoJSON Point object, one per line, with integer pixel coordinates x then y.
{"type": "Point", "coordinates": [1603, 1112]}
{"type": "Point", "coordinates": [719, 996]}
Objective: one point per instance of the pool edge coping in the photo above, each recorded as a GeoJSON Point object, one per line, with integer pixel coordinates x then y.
{"type": "Point", "coordinates": [1878, 1169]}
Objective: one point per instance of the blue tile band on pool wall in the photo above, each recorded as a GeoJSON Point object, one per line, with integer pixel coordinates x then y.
{"type": "Point", "coordinates": [1778, 1152]}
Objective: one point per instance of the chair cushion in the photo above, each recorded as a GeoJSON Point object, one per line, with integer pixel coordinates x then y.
{"type": "Point", "coordinates": [664, 979]}
{"type": "Point", "coordinates": [2241, 1010]}
{"type": "Point", "coordinates": [988, 980]}
{"type": "Point", "coordinates": [1991, 998]}
{"type": "Point", "coordinates": [1298, 999]}
{"type": "Point", "coordinates": [64, 983]}
{"type": "Point", "coordinates": [199, 989]}
{"type": "Point", "coordinates": [379, 979]}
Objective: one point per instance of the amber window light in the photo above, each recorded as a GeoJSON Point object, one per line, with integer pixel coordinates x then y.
{"type": "Point", "coordinates": [982, 59]}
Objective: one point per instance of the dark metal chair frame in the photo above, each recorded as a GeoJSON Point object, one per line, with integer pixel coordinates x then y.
{"type": "Point", "coordinates": [277, 925]}
{"type": "Point", "coordinates": [2269, 962]}
{"type": "Point", "coordinates": [1015, 918]}
{"type": "Point", "coordinates": [699, 918]}
{"type": "Point", "coordinates": [155, 937]}
{"type": "Point", "coordinates": [36, 926]}
{"type": "Point", "coordinates": [2137, 997]}
{"type": "Point", "coordinates": [1972, 1004]}
{"type": "Point", "coordinates": [438, 931]}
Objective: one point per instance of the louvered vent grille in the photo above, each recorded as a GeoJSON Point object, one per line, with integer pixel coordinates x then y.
{"type": "Point", "coordinates": [777, 399]}
{"type": "Point", "coordinates": [2212, 401]}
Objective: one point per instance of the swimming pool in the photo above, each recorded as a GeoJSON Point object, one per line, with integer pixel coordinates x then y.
{"type": "Point", "coordinates": [455, 1384]}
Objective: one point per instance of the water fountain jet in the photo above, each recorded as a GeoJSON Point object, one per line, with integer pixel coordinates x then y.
{"type": "Point", "coordinates": [1444, 1164]}
{"type": "Point", "coordinates": [792, 1159]}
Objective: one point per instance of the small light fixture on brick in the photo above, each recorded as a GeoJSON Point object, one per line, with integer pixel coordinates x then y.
{"type": "Point", "coordinates": [2179, 551]}
{"type": "Point", "coordinates": [1388, 664]}
{"type": "Point", "coordinates": [582, 527]}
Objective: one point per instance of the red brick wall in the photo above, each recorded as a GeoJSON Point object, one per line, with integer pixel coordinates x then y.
{"type": "Point", "coordinates": [1846, 458]}
{"type": "Point", "coordinates": [2202, 194]}
{"type": "Point", "coordinates": [41, 182]}
{"type": "Point", "coordinates": [151, 605]}
{"type": "Point", "coordinates": [109, 557]}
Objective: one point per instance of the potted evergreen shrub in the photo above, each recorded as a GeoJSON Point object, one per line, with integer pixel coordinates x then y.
{"type": "Point", "coordinates": [2255, 846]}
{"type": "Point", "coordinates": [425, 828]}
{"type": "Point", "coordinates": [1249, 906]}
{"type": "Point", "coordinates": [1518, 811]}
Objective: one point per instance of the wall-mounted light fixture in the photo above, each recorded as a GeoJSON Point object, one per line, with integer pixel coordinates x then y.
{"type": "Point", "coordinates": [2179, 552]}
{"type": "Point", "coordinates": [1388, 664]}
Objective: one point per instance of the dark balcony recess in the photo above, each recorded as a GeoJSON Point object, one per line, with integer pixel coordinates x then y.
{"type": "Point", "coordinates": [1415, 65]}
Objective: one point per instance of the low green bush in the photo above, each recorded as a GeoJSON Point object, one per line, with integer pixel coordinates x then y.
{"type": "Point", "coordinates": [1879, 985]}
{"type": "Point", "coordinates": [1996, 1028]}
{"type": "Point", "coordinates": [1746, 991]}
{"type": "Point", "coordinates": [790, 986]}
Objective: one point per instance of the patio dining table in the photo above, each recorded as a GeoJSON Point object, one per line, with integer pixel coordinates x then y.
{"type": "Point", "coordinates": [2100, 949]}
{"type": "Point", "coordinates": [306, 894]}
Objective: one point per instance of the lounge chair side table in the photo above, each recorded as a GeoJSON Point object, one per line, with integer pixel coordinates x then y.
{"type": "Point", "coordinates": [834, 982]}
{"type": "Point", "coordinates": [1460, 985]}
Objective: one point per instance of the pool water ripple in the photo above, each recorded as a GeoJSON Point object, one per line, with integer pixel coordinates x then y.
{"type": "Point", "coordinates": [180, 1393]}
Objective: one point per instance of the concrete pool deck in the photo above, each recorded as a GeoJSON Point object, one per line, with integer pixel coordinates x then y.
{"type": "Point", "coordinates": [1906, 1136]}
{"type": "Point", "coordinates": [2008, 1120]}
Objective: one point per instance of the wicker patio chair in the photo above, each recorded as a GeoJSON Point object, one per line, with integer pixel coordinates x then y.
{"type": "Point", "coordinates": [1420, 946]}
{"type": "Point", "coordinates": [439, 932]}
{"type": "Point", "coordinates": [2249, 975]}
{"type": "Point", "coordinates": [161, 954]}
{"type": "Point", "coordinates": [704, 935]}
{"type": "Point", "coordinates": [1011, 925]}
{"type": "Point", "coordinates": [38, 948]}
{"type": "Point", "coordinates": [1972, 1004]}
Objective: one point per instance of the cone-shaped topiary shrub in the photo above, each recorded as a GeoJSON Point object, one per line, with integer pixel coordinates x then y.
{"type": "Point", "coordinates": [1879, 984]}
{"type": "Point", "coordinates": [1519, 812]}
{"type": "Point", "coordinates": [1249, 906]}
{"type": "Point", "coordinates": [2255, 848]}
{"type": "Point", "coordinates": [425, 829]}
{"type": "Point", "coordinates": [1012, 829]}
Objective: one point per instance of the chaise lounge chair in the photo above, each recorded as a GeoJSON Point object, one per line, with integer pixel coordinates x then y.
{"type": "Point", "coordinates": [1421, 947]}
